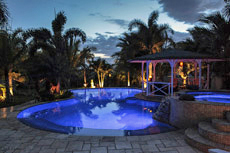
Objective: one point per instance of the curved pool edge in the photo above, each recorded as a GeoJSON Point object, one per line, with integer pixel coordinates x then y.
{"type": "Point", "coordinates": [100, 132]}
{"type": "Point", "coordinates": [149, 98]}
{"type": "Point", "coordinates": [15, 127]}
{"type": "Point", "coordinates": [41, 103]}
{"type": "Point", "coordinates": [141, 132]}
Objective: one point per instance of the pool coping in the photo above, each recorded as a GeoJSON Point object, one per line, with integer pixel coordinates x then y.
{"type": "Point", "coordinates": [125, 131]}
{"type": "Point", "coordinates": [17, 137]}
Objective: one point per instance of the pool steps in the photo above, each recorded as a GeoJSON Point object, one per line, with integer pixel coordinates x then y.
{"type": "Point", "coordinates": [193, 137]}
{"type": "Point", "coordinates": [217, 151]}
{"type": "Point", "coordinates": [209, 132]}
{"type": "Point", "coordinates": [210, 135]}
{"type": "Point", "coordinates": [221, 125]}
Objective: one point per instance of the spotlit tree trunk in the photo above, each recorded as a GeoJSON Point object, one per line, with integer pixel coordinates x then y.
{"type": "Point", "coordinates": [85, 83]}
{"type": "Point", "coordinates": [101, 68]}
{"type": "Point", "coordinates": [6, 73]}
{"type": "Point", "coordinates": [101, 78]}
{"type": "Point", "coordinates": [11, 82]}
{"type": "Point", "coordinates": [128, 79]}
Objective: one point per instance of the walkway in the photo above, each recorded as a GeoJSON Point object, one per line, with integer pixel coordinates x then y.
{"type": "Point", "coordinates": [16, 137]}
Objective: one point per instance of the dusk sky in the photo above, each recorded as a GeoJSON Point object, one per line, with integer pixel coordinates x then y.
{"type": "Point", "coordinates": [105, 20]}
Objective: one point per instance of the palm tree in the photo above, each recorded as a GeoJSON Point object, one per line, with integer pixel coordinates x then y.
{"type": "Point", "coordinates": [226, 10]}
{"type": "Point", "coordinates": [213, 38]}
{"type": "Point", "coordinates": [60, 47]}
{"type": "Point", "coordinates": [86, 55]}
{"type": "Point", "coordinates": [12, 46]}
{"type": "Point", "coordinates": [153, 36]}
{"type": "Point", "coordinates": [188, 44]}
{"type": "Point", "coordinates": [4, 13]}
{"type": "Point", "coordinates": [130, 48]}
{"type": "Point", "coordinates": [130, 45]}
{"type": "Point", "coordinates": [217, 33]}
{"type": "Point", "coordinates": [102, 68]}
{"type": "Point", "coordinates": [202, 40]}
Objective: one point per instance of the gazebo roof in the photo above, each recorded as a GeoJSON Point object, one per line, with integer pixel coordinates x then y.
{"type": "Point", "coordinates": [176, 54]}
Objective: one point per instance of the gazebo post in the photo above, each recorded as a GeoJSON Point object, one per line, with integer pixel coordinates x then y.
{"type": "Point", "coordinates": [208, 72]}
{"type": "Point", "coordinates": [174, 70]}
{"type": "Point", "coordinates": [142, 72]}
{"type": "Point", "coordinates": [172, 63]}
{"type": "Point", "coordinates": [147, 78]}
{"type": "Point", "coordinates": [199, 63]}
{"type": "Point", "coordinates": [195, 70]}
{"type": "Point", "coordinates": [154, 71]}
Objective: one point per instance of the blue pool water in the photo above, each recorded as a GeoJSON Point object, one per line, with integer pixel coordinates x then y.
{"type": "Point", "coordinates": [221, 97]}
{"type": "Point", "coordinates": [105, 112]}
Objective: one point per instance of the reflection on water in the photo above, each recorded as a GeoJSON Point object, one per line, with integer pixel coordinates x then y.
{"type": "Point", "coordinates": [97, 112]}
{"type": "Point", "coordinates": [5, 111]}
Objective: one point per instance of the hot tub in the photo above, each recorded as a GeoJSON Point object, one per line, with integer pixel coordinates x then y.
{"type": "Point", "coordinates": [208, 105]}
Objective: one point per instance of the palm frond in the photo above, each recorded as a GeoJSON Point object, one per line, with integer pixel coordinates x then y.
{"type": "Point", "coordinates": [59, 22]}
{"type": "Point", "coordinates": [4, 13]}
{"type": "Point", "coordinates": [17, 32]}
{"type": "Point", "coordinates": [226, 10]}
{"type": "Point", "coordinates": [39, 34]}
{"type": "Point", "coordinates": [75, 32]}
{"type": "Point", "coordinates": [153, 18]}
{"type": "Point", "coordinates": [215, 20]}
{"type": "Point", "coordinates": [137, 24]}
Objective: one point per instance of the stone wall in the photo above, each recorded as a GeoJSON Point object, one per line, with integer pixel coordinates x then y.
{"type": "Point", "coordinates": [185, 114]}
{"type": "Point", "coordinates": [163, 111]}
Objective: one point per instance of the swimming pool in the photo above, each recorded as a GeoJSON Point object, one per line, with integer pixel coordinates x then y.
{"type": "Point", "coordinates": [220, 97]}
{"type": "Point", "coordinates": [97, 112]}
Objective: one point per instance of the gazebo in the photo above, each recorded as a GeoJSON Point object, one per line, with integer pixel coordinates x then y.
{"type": "Point", "coordinates": [172, 57]}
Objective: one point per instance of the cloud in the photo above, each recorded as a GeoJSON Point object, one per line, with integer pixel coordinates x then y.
{"type": "Point", "coordinates": [106, 46]}
{"type": "Point", "coordinates": [180, 36]}
{"type": "Point", "coordinates": [110, 33]}
{"type": "Point", "coordinates": [189, 11]}
{"type": "Point", "coordinates": [101, 55]}
{"type": "Point", "coordinates": [122, 23]}
{"type": "Point", "coordinates": [97, 14]}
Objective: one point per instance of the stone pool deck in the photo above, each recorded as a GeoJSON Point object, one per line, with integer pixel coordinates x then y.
{"type": "Point", "coordinates": [16, 137]}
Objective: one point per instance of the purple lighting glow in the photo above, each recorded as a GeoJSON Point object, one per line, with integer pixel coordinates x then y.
{"type": "Point", "coordinates": [94, 110]}
{"type": "Point", "coordinates": [219, 97]}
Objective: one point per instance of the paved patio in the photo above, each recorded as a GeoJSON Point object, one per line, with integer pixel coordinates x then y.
{"type": "Point", "coordinates": [16, 137]}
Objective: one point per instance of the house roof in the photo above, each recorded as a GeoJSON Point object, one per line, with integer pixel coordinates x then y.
{"type": "Point", "coordinates": [176, 54]}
